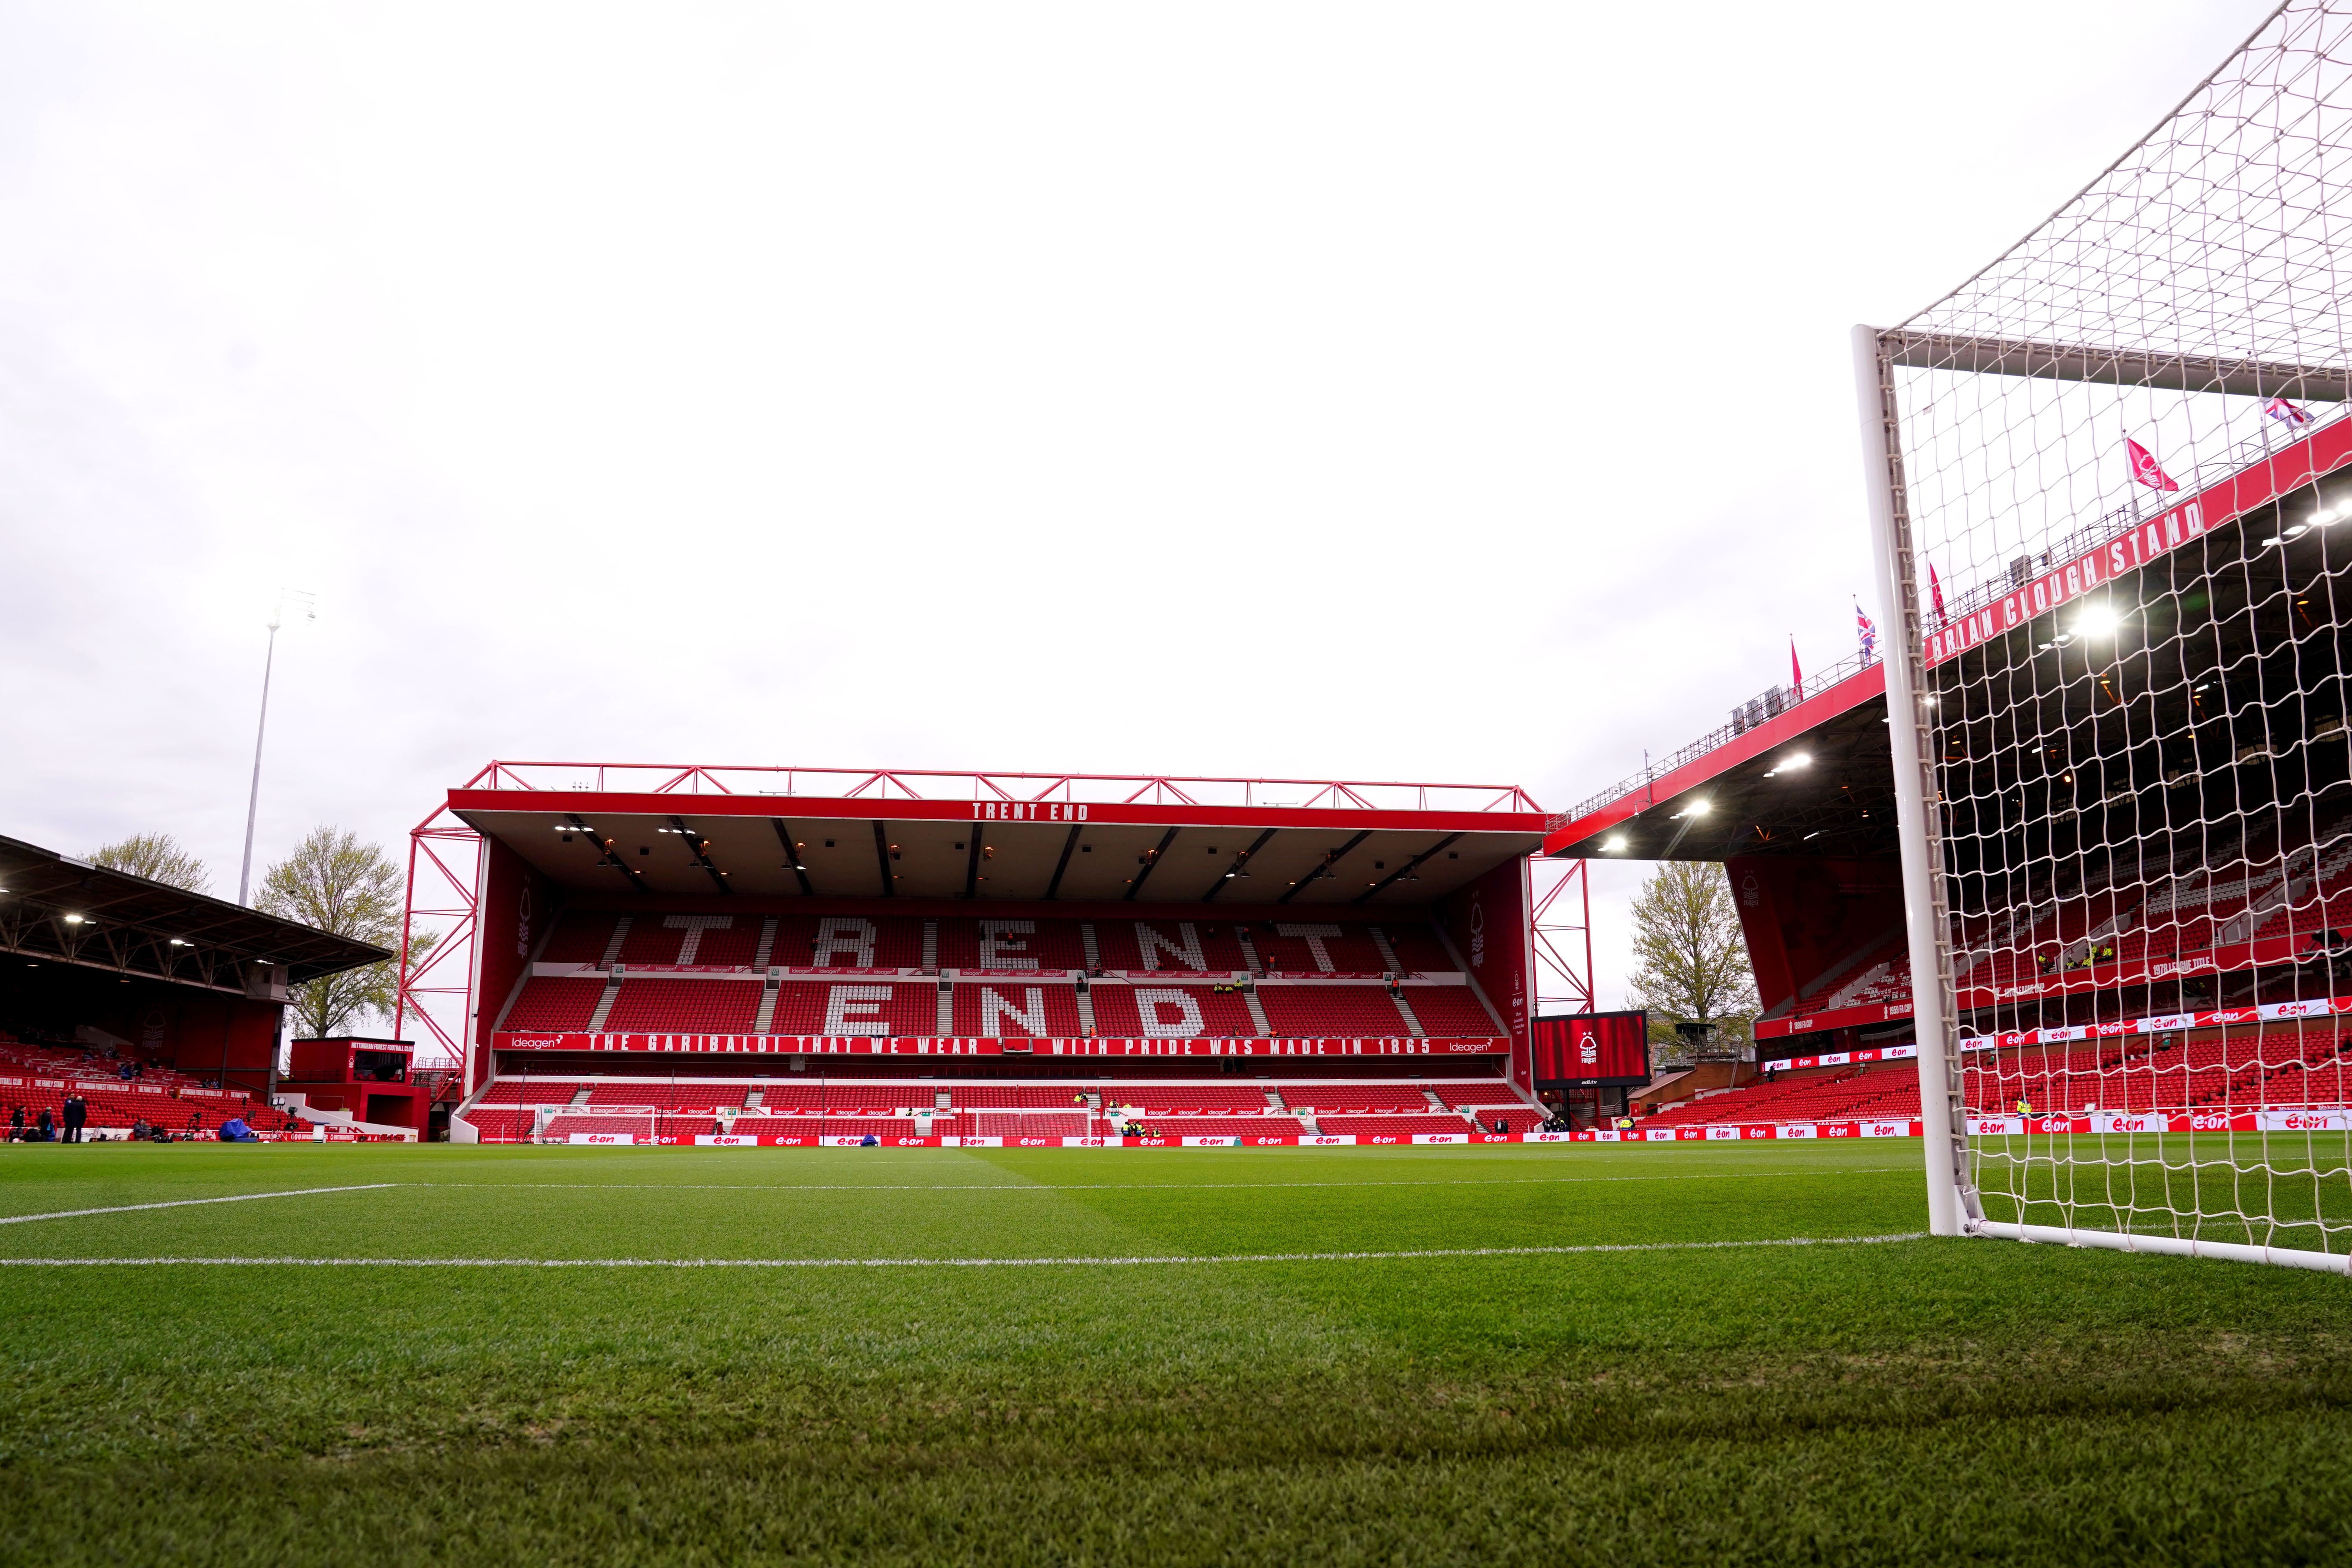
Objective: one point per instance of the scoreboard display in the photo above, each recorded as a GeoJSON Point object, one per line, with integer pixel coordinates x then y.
{"type": "Point", "coordinates": [1588, 1050]}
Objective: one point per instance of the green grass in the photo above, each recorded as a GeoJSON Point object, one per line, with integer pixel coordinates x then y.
{"type": "Point", "coordinates": [1880, 1402]}
{"type": "Point", "coordinates": [2278, 1189]}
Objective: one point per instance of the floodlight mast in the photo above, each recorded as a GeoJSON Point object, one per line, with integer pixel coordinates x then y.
{"type": "Point", "coordinates": [261, 728]}
{"type": "Point", "coordinates": [1951, 1201]}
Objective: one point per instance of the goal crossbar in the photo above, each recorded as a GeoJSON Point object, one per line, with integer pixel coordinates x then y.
{"type": "Point", "coordinates": [2115, 366]}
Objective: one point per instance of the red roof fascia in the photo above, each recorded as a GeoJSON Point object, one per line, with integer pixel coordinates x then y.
{"type": "Point", "coordinates": [1120, 814]}
{"type": "Point", "coordinates": [1845, 696]}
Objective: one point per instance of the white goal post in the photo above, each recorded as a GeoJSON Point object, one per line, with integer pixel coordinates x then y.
{"type": "Point", "coordinates": [2110, 494]}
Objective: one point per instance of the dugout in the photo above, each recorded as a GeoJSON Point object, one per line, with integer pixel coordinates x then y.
{"type": "Point", "coordinates": [367, 1078]}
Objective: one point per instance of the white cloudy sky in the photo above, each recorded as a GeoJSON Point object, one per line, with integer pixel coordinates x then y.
{"type": "Point", "coordinates": [1440, 392]}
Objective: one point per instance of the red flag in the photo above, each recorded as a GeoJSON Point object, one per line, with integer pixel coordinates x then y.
{"type": "Point", "coordinates": [1796, 672]}
{"type": "Point", "coordinates": [1935, 589]}
{"type": "Point", "coordinates": [2144, 468]}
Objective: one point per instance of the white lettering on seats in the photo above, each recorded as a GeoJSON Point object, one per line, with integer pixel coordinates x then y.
{"type": "Point", "coordinates": [1313, 936]}
{"type": "Point", "coordinates": [1148, 1004]}
{"type": "Point", "coordinates": [997, 952]}
{"type": "Point", "coordinates": [1031, 1018]}
{"type": "Point", "coordinates": [837, 934]}
{"type": "Point", "coordinates": [1187, 947]}
{"type": "Point", "coordinates": [694, 926]}
{"type": "Point", "coordinates": [867, 999]}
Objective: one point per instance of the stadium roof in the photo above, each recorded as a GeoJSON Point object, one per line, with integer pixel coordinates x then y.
{"type": "Point", "coordinates": [1812, 776]}
{"type": "Point", "coordinates": [1843, 803]}
{"type": "Point", "coordinates": [688, 831]}
{"type": "Point", "coordinates": [56, 909]}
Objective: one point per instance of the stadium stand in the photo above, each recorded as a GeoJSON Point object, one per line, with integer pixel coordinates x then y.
{"type": "Point", "coordinates": [1182, 946]}
{"type": "Point", "coordinates": [1174, 1012]}
{"type": "Point", "coordinates": [1312, 1010]}
{"type": "Point", "coordinates": [921, 974]}
{"type": "Point", "coordinates": [532, 1091]}
{"type": "Point", "coordinates": [849, 942]}
{"type": "Point", "coordinates": [1319, 947]}
{"type": "Point", "coordinates": [703, 940]}
{"type": "Point", "coordinates": [1450, 1011]}
{"type": "Point", "coordinates": [1011, 944]}
{"type": "Point", "coordinates": [1835, 1096]}
{"type": "Point", "coordinates": [685, 1007]}
{"type": "Point", "coordinates": [580, 936]}
{"type": "Point", "coordinates": [1010, 1010]}
{"type": "Point", "coordinates": [41, 1075]}
{"type": "Point", "coordinates": [546, 1003]}
{"type": "Point", "coordinates": [1363, 1097]}
{"type": "Point", "coordinates": [864, 1007]}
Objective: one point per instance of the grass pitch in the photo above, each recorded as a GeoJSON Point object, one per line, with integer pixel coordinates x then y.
{"type": "Point", "coordinates": [1557, 1354]}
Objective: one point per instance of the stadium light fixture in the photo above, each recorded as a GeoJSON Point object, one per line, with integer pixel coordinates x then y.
{"type": "Point", "coordinates": [177, 942]}
{"type": "Point", "coordinates": [73, 919]}
{"type": "Point", "coordinates": [1615, 844]}
{"type": "Point", "coordinates": [2096, 621]}
{"type": "Point", "coordinates": [1792, 762]}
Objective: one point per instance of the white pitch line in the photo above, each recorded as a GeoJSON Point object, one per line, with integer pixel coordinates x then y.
{"type": "Point", "coordinates": [189, 1202]}
{"type": "Point", "coordinates": [950, 1262]}
{"type": "Point", "coordinates": [1126, 1186]}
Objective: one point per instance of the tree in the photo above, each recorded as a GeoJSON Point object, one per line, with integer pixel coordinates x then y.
{"type": "Point", "coordinates": [1693, 957]}
{"type": "Point", "coordinates": [159, 857]}
{"type": "Point", "coordinates": [335, 883]}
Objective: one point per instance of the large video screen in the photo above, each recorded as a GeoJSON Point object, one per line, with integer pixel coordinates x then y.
{"type": "Point", "coordinates": [1581, 1050]}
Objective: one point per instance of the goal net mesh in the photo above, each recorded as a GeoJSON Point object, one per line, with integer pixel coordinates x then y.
{"type": "Point", "coordinates": [2122, 458]}
{"type": "Point", "coordinates": [621, 1126]}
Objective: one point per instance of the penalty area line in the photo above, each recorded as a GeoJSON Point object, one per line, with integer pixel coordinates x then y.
{"type": "Point", "coordinates": [190, 1203]}
{"type": "Point", "coordinates": [958, 1262]}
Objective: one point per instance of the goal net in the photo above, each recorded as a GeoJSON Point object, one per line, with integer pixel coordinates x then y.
{"type": "Point", "coordinates": [583, 1125]}
{"type": "Point", "coordinates": [2111, 486]}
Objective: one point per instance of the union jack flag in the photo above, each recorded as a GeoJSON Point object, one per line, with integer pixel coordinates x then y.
{"type": "Point", "coordinates": [2280, 408]}
{"type": "Point", "coordinates": [1866, 632]}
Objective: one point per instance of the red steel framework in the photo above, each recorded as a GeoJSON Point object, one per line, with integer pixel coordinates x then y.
{"type": "Point", "coordinates": [1563, 941]}
{"type": "Point", "coordinates": [433, 843]}
{"type": "Point", "coordinates": [927, 783]}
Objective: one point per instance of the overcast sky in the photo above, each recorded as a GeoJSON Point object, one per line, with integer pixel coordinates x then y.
{"type": "Point", "coordinates": [1447, 393]}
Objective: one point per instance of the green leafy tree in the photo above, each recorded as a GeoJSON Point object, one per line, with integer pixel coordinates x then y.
{"type": "Point", "coordinates": [1693, 960]}
{"type": "Point", "coordinates": [159, 857]}
{"type": "Point", "coordinates": [335, 883]}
